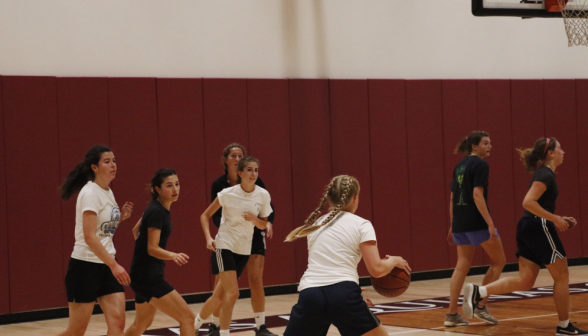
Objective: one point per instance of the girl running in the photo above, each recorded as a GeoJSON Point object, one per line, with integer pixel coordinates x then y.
{"type": "Point", "coordinates": [152, 292]}
{"type": "Point", "coordinates": [471, 223]}
{"type": "Point", "coordinates": [244, 207]}
{"type": "Point", "coordinates": [329, 289]}
{"type": "Point", "coordinates": [232, 154]}
{"type": "Point", "coordinates": [538, 242]}
{"type": "Point", "coordinates": [93, 273]}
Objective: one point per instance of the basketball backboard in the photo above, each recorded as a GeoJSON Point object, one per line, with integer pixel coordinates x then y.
{"type": "Point", "coordinates": [517, 8]}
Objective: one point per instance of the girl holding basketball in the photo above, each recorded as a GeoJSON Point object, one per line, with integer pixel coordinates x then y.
{"type": "Point", "coordinates": [93, 273]}
{"type": "Point", "coordinates": [329, 289]}
{"type": "Point", "coordinates": [471, 223]}
{"type": "Point", "coordinates": [244, 207]}
{"type": "Point", "coordinates": [538, 242]}
{"type": "Point", "coordinates": [152, 292]}
{"type": "Point", "coordinates": [232, 154]}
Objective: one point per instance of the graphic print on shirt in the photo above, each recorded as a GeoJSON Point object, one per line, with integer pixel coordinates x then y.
{"type": "Point", "coordinates": [459, 178]}
{"type": "Point", "coordinates": [107, 228]}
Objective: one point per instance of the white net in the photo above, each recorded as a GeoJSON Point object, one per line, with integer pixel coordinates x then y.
{"type": "Point", "coordinates": [575, 15]}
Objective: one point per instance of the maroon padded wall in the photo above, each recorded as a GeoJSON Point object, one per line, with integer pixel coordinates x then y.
{"type": "Point", "coordinates": [134, 140]}
{"type": "Point", "coordinates": [560, 118]}
{"type": "Point", "coordinates": [527, 115]}
{"type": "Point", "coordinates": [460, 117]}
{"type": "Point", "coordinates": [494, 117]}
{"type": "Point", "coordinates": [4, 271]}
{"type": "Point", "coordinates": [389, 168]}
{"type": "Point", "coordinates": [82, 107]}
{"type": "Point", "coordinates": [225, 121]}
{"type": "Point", "coordinates": [388, 133]}
{"type": "Point", "coordinates": [269, 141]}
{"type": "Point", "coordinates": [32, 176]}
{"type": "Point", "coordinates": [429, 199]}
{"type": "Point", "coordinates": [311, 152]}
{"type": "Point", "coordinates": [582, 129]}
{"type": "Point", "coordinates": [180, 121]}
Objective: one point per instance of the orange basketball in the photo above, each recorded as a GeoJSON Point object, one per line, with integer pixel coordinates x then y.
{"type": "Point", "coordinates": [392, 284]}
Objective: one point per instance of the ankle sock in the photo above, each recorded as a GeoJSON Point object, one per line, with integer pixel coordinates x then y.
{"type": "Point", "coordinates": [224, 332]}
{"type": "Point", "coordinates": [563, 324]}
{"type": "Point", "coordinates": [198, 322]}
{"type": "Point", "coordinates": [216, 320]}
{"type": "Point", "coordinates": [483, 291]}
{"type": "Point", "coordinates": [259, 319]}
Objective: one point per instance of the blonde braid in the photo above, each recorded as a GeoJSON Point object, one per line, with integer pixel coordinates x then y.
{"type": "Point", "coordinates": [308, 228]}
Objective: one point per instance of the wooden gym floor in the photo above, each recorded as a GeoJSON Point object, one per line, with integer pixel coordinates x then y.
{"type": "Point", "coordinates": [520, 315]}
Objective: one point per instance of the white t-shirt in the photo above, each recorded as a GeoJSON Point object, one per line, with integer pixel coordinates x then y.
{"type": "Point", "coordinates": [93, 198]}
{"type": "Point", "coordinates": [235, 233]}
{"type": "Point", "coordinates": [334, 252]}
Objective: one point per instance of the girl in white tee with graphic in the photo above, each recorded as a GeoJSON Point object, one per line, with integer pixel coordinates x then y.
{"type": "Point", "coordinates": [329, 289]}
{"type": "Point", "coordinates": [245, 206]}
{"type": "Point", "coordinates": [93, 273]}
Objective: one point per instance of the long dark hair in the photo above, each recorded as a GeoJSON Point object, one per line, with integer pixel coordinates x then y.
{"type": "Point", "coordinates": [532, 156]}
{"type": "Point", "coordinates": [465, 144]}
{"type": "Point", "coordinates": [82, 173]}
{"type": "Point", "coordinates": [157, 180]}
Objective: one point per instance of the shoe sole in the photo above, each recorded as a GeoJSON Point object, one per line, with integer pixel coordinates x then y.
{"type": "Point", "coordinates": [487, 321]}
{"type": "Point", "coordinates": [468, 307]}
{"type": "Point", "coordinates": [451, 324]}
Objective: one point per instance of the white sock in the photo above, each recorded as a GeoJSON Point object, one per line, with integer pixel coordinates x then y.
{"type": "Point", "coordinates": [260, 319]}
{"type": "Point", "coordinates": [224, 332]}
{"type": "Point", "coordinates": [216, 320]}
{"type": "Point", "coordinates": [483, 291]}
{"type": "Point", "coordinates": [198, 322]}
{"type": "Point", "coordinates": [563, 324]}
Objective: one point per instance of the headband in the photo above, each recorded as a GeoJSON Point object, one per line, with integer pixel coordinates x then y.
{"type": "Point", "coordinates": [546, 146]}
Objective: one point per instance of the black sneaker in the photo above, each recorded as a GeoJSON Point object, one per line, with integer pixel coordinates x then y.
{"type": "Point", "coordinates": [471, 298]}
{"type": "Point", "coordinates": [213, 330]}
{"type": "Point", "coordinates": [570, 330]}
{"type": "Point", "coordinates": [262, 331]}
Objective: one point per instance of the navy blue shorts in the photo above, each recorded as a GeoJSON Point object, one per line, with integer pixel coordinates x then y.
{"type": "Point", "coordinates": [340, 304]}
{"type": "Point", "coordinates": [538, 241]}
{"type": "Point", "coordinates": [258, 242]}
{"type": "Point", "coordinates": [473, 238]}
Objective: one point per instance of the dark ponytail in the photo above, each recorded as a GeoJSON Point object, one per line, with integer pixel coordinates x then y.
{"type": "Point", "coordinates": [157, 180]}
{"type": "Point", "coordinates": [465, 144]}
{"type": "Point", "coordinates": [82, 173]}
{"type": "Point", "coordinates": [532, 156]}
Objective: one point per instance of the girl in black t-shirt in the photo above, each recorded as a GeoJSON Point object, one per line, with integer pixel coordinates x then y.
{"type": "Point", "coordinates": [151, 233]}
{"type": "Point", "coordinates": [471, 223]}
{"type": "Point", "coordinates": [232, 154]}
{"type": "Point", "coordinates": [538, 242]}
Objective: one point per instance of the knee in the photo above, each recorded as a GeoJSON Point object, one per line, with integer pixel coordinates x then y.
{"type": "Point", "coordinates": [232, 295]}
{"type": "Point", "coordinates": [118, 322]}
{"type": "Point", "coordinates": [255, 281]}
{"type": "Point", "coordinates": [527, 283]}
{"type": "Point", "coordinates": [188, 318]}
{"type": "Point", "coordinates": [498, 263]}
{"type": "Point", "coordinates": [562, 277]}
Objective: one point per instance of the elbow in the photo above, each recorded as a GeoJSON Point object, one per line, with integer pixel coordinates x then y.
{"type": "Point", "coordinates": [151, 250]}
{"type": "Point", "coordinates": [526, 204]}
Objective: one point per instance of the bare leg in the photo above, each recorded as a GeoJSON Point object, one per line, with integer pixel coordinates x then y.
{"type": "Point", "coordinates": [528, 272]}
{"type": "Point", "coordinates": [213, 303]}
{"type": "Point", "coordinates": [113, 306]}
{"type": "Point", "coordinates": [561, 293]}
{"type": "Point", "coordinates": [79, 317]}
{"type": "Point", "coordinates": [255, 277]}
{"type": "Point", "coordinates": [143, 318]}
{"type": "Point", "coordinates": [465, 253]}
{"type": "Point", "coordinates": [176, 307]}
{"type": "Point", "coordinates": [216, 312]}
{"type": "Point", "coordinates": [495, 251]}
{"type": "Point", "coordinates": [228, 281]}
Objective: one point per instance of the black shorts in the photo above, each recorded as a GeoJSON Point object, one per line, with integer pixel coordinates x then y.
{"type": "Point", "coordinates": [226, 260]}
{"type": "Point", "coordinates": [146, 289]}
{"type": "Point", "coordinates": [258, 242]}
{"type": "Point", "coordinates": [340, 304]}
{"type": "Point", "coordinates": [538, 241]}
{"type": "Point", "coordinates": [87, 281]}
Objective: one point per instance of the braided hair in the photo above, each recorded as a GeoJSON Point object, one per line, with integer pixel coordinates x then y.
{"type": "Point", "coordinates": [338, 192]}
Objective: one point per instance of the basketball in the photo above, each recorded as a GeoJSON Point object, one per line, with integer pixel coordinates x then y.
{"type": "Point", "coordinates": [392, 284]}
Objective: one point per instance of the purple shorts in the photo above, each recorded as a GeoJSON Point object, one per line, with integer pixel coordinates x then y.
{"type": "Point", "coordinates": [473, 238]}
